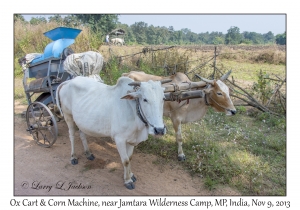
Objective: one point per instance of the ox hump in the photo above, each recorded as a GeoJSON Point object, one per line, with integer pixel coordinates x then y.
{"type": "Point", "coordinates": [124, 81]}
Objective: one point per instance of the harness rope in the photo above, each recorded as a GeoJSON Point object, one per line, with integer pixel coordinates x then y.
{"type": "Point", "coordinates": [141, 114]}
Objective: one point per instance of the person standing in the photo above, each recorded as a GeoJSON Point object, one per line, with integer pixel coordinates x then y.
{"type": "Point", "coordinates": [107, 39]}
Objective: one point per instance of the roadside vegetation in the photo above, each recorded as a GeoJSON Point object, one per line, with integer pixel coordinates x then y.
{"type": "Point", "coordinates": [246, 151]}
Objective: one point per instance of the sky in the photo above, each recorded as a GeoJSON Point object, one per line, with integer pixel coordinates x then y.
{"type": "Point", "coordinates": [200, 23]}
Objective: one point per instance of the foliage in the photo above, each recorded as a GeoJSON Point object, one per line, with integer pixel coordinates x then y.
{"type": "Point", "coordinates": [254, 37]}
{"type": "Point", "coordinates": [281, 38]}
{"type": "Point", "coordinates": [269, 37]}
{"type": "Point", "coordinates": [18, 17]}
{"type": "Point", "coordinates": [139, 30]}
{"type": "Point", "coordinates": [233, 36]}
{"type": "Point", "coordinates": [112, 71]}
{"type": "Point", "coordinates": [38, 20]}
{"type": "Point", "coordinates": [262, 87]}
{"type": "Point", "coordinates": [103, 23]}
{"type": "Point", "coordinates": [142, 33]}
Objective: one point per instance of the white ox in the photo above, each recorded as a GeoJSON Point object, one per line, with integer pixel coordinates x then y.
{"type": "Point", "coordinates": [117, 41]}
{"type": "Point", "coordinates": [125, 114]}
{"type": "Point", "coordinates": [216, 96]}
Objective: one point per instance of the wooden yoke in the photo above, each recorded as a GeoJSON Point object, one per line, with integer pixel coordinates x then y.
{"type": "Point", "coordinates": [180, 96]}
{"type": "Point", "coordinates": [184, 86]}
{"type": "Point", "coordinates": [183, 91]}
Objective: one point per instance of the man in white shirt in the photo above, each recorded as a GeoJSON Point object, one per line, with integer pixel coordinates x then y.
{"type": "Point", "coordinates": [107, 38]}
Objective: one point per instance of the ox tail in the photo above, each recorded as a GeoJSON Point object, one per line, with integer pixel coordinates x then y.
{"type": "Point", "coordinates": [57, 96]}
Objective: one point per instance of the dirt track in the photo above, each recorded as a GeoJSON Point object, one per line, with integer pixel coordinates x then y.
{"type": "Point", "coordinates": [48, 171]}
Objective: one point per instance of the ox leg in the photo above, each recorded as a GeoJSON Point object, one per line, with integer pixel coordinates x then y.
{"type": "Point", "coordinates": [87, 151]}
{"type": "Point", "coordinates": [122, 149]}
{"type": "Point", "coordinates": [71, 125]}
{"type": "Point", "coordinates": [177, 128]}
{"type": "Point", "coordinates": [130, 149]}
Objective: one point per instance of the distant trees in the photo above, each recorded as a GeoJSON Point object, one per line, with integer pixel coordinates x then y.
{"type": "Point", "coordinates": [139, 30]}
{"type": "Point", "coordinates": [269, 37]}
{"type": "Point", "coordinates": [233, 36]}
{"type": "Point", "coordinates": [281, 39]}
{"type": "Point", "coordinates": [18, 17]}
{"type": "Point", "coordinates": [37, 20]}
{"type": "Point", "coordinates": [99, 22]}
{"type": "Point", "coordinates": [142, 33]}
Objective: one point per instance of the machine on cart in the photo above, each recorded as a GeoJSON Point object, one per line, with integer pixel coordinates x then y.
{"type": "Point", "coordinates": [42, 75]}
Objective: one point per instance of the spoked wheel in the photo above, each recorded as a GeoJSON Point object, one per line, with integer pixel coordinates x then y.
{"type": "Point", "coordinates": [41, 124]}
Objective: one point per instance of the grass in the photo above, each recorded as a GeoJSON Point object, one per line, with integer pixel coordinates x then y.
{"type": "Point", "coordinates": [245, 71]}
{"type": "Point", "coordinates": [244, 152]}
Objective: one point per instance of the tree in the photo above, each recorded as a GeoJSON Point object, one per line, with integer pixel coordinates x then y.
{"type": "Point", "coordinates": [56, 18]}
{"type": "Point", "coordinates": [204, 37]}
{"type": "Point", "coordinates": [269, 37]}
{"type": "Point", "coordinates": [254, 37]}
{"type": "Point", "coordinates": [100, 22]}
{"type": "Point", "coordinates": [178, 37]}
{"type": "Point", "coordinates": [151, 34]}
{"type": "Point", "coordinates": [281, 39]}
{"type": "Point", "coordinates": [233, 36]}
{"type": "Point", "coordinates": [18, 17]}
{"type": "Point", "coordinates": [216, 38]}
{"type": "Point", "coordinates": [71, 21]}
{"type": "Point", "coordinates": [140, 30]}
{"type": "Point", "coordinates": [37, 20]}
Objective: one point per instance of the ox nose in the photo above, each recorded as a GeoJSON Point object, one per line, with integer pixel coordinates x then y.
{"type": "Point", "coordinates": [233, 112]}
{"type": "Point", "coordinates": [159, 131]}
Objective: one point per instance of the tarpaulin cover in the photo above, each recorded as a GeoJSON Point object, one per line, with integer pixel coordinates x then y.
{"type": "Point", "coordinates": [88, 64]}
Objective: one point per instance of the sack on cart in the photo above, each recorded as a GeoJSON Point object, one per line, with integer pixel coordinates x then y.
{"type": "Point", "coordinates": [87, 64]}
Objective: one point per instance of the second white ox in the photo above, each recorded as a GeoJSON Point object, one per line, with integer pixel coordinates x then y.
{"type": "Point", "coordinates": [125, 114]}
{"type": "Point", "coordinates": [117, 41]}
{"type": "Point", "coordinates": [216, 96]}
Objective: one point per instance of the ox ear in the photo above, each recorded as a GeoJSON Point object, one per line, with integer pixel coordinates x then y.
{"type": "Point", "coordinates": [131, 96]}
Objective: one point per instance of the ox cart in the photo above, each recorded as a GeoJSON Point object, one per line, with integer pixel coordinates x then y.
{"type": "Point", "coordinates": [43, 73]}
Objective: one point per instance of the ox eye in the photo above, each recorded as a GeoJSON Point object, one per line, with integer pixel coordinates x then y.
{"type": "Point", "coordinates": [219, 94]}
{"type": "Point", "coordinates": [145, 100]}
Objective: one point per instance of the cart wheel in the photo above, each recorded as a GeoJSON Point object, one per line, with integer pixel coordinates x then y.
{"type": "Point", "coordinates": [41, 124]}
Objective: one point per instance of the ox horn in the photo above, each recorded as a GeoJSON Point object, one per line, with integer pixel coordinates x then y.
{"type": "Point", "coordinates": [165, 81]}
{"type": "Point", "coordinates": [225, 76]}
{"type": "Point", "coordinates": [135, 84]}
{"type": "Point", "coordinates": [205, 80]}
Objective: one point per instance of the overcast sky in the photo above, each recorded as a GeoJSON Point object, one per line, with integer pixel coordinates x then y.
{"type": "Point", "coordinates": [198, 23]}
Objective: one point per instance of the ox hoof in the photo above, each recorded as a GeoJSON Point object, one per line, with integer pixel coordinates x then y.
{"type": "Point", "coordinates": [91, 157]}
{"type": "Point", "coordinates": [74, 161]}
{"type": "Point", "coordinates": [133, 178]}
{"type": "Point", "coordinates": [181, 158]}
{"type": "Point", "coordinates": [130, 186]}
